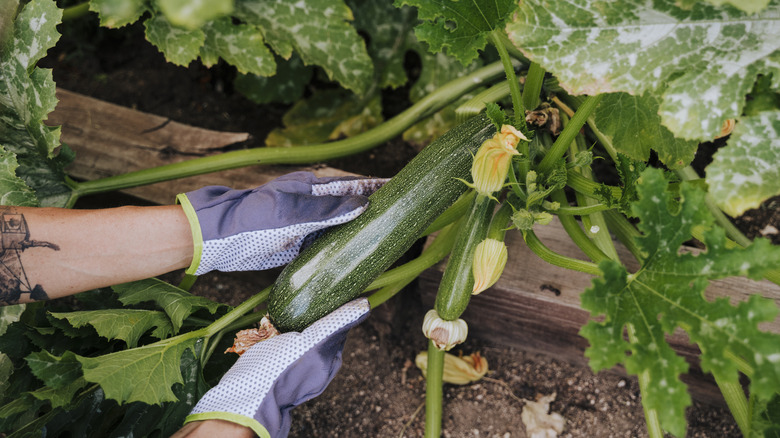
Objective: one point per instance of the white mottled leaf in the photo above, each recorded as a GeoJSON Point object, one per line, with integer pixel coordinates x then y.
{"type": "Point", "coordinates": [179, 46]}
{"type": "Point", "coordinates": [633, 125]}
{"type": "Point", "coordinates": [240, 45]}
{"type": "Point", "coordinates": [745, 172]}
{"type": "Point", "coordinates": [319, 31]}
{"type": "Point", "coordinates": [192, 14]}
{"type": "Point", "coordinates": [749, 6]}
{"type": "Point", "coordinates": [700, 62]}
{"type": "Point", "coordinates": [13, 191]}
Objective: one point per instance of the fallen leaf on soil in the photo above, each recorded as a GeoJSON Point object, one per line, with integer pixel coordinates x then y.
{"type": "Point", "coordinates": [538, 423]}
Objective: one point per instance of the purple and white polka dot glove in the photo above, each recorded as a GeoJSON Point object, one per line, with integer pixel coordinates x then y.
{"type": "Point", "coordinates": [264, 227]}
{"type": "Point", "coordinates": [277, 374]}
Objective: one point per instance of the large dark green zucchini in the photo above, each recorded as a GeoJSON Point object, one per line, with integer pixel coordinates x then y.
{"type": "Point", "coordinates": [338, 266]}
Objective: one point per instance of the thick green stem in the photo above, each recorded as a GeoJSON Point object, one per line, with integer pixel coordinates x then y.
{"type": "Point", "coordinates": [552, 257]}
{"type": "Point", "coordinates": [236, 313]}
{"type": "Point", "coordinates": [533, 86]}
{"type": "Point", "coordinates": [569, 133]}
{"type": "Point", "coordinates": [595, 221]}
{"type": "Point", "coordinates": [476, 104]}
{"type": "Point", "coordinates": [434, 391]}
{"type": "Point", "coordinates": [581, 210]}
{"type": "Point", "coordinates": [588, 187]}
{"type": "Point", "coordinates": [652, 419]}
{"type": "Point", "coordinates": [75, 11]}
{"type": "Point", "coordinates": [736, 400]}
{"type": "Point", "coordinates": [452, 214]}
{"type": "Point", "coordinates": [575, 232]}
{"type": "Point", "coordinates": [499, 225]}
{"type": "Point", "coordinates": [624, 231]}
{"type": "Point", "coordinates": [299, 154]}
{"type": "Point", "coordinates": [514, 84]}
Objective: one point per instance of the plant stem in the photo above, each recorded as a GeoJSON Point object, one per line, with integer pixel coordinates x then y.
{"type": "Point", "coordinates": [654, 429]}
{"type": "Point", "coordinates": [299, 154]}
{"type": "Point", "coordinates": [568, 134]}
{"type": "Point", "coordinates": [234, 315]}
{"type": "Point", "coordinates": [575, 232]}
{"type": "Point", "coordinates": [581, 210]}
{"type": "Point", "coordinates": [589, 187]}
{"type": "Point", "coordinates": [514, 84]}
{"type": "Point", "coordinates": [75, 11]}
{"type": "Point", "coordinates": [533, 86]}
{"type": "Point", "coordinates": [548, 255]}
{"type": "Point", "coordinates": [452, 214]}
{"type": "Point", "coordinates": [499, 223]}
{"type": "Point", "coordinates": [477, 103]}
{"type": "Point", "coordinates": [434, 391]}
{"type": "Point", "coordinates": [736, 400]}
{"type": "Point", "coordinates": [625, 232]}
{"type": "Point", "coordinates": [601, 237]}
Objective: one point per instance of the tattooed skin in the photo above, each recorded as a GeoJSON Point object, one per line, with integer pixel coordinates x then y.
{"type": "Point", "coordinates": [14, 240]}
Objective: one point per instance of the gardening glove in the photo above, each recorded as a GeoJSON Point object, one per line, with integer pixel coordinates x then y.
{"type": "Point", "coordinates": [275, 375]}
{"type": "Point", "coordinates": [265, 227]}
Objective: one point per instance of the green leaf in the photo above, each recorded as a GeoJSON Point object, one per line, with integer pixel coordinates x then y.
{"type": "Point", "coordinates": [177, 303]}
{"type": "Point", "coordinates": [125, 324]}
{"type": "Point", "coordinates": [180, 46]}
{"type": "Point", "coordinates": [461, 26]}
{"type": "Point", "coordinates": [27, 95]}
{"type": "Point", "coordinates": [241, 45]}
{"type": "Point", "coordinates": [6, 369]}
{"type": "Point", "coordinates": [192, 14]}
{"type": "Point", "coordinates": [118, 13]}
{"type": "Point", "coordinates": [745, 173]}
{"type": "Point", "coordinates": [390, 37]}
{"type": "Point", "coordinates": [634, 127]}
{"type": "Point", "coordinates": [14, 190]}
{"type": "Point", "coordinates": [319, 31]}
{"type": "Point", "coordinates": [144, 374]}
{"type": "Point", "coordinates": [61, 396]}
{"type": "Point", "coordinates": [9, 315]}
{"type": "Point", "coordinates": [54, 371]}
{"type": "Point", "coordinates": [286, 86]}
{"type": "Point", "coordinates": [749, 6]}
{"type": "Point", "coordinates": [699, 63]}
{"type": "Point", "coordinates": [668, 292]}
{"type": "Point", "coordinates": [327, 115]}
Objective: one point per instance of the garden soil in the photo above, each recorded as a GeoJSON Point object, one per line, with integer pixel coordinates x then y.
{"type": "Point", "coordinates": [378, 392]}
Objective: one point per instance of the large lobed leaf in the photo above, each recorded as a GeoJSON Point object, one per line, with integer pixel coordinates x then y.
{"type": "Point", "coordinates": [699, 62]}
{"type": "Point", "coordinates": [144, 373]}
{"type": "Point", "coordinates": [668, 292]}
{"type": "Point", "coordinates": [125, 324]}
{"type": "Point", "coordinates": [745, 173]}
{"type": "Point", "coordinates": [176, 303]}
{"type": "Point", "coordinates": [462, 27]}
{"type": "Point", "coordinates": [26, 98]}
{"type": "Point", "coordinates": [319, 31]}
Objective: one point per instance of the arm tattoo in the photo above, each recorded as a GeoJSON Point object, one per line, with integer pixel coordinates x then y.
{"type": "Point", "coordinates": [15, 239]}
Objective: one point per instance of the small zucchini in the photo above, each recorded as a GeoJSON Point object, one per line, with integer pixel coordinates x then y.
{"type": "Point", "coordinates": [338, 266]}
{"type": "Point", "coordinates": [457, 283]}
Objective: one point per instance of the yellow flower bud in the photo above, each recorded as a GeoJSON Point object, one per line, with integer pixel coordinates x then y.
{"type": "Point", "coordinates": [444, 334]}
{"type": "Point", "coordinates": [491, 164]}
{"type": "Point", "coordinates": [457, 370]}
{"type": "Point", "coordinates": [489, 260]}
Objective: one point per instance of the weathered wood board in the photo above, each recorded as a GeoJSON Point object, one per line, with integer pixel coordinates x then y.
{"type": "Point", "coordinates": [110, 139]}
{"type": "Point", "coordinates": [535, 306]}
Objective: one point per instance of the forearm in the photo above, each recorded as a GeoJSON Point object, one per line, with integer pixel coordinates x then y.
{"type": "Point", "coordinates": [50, 252]}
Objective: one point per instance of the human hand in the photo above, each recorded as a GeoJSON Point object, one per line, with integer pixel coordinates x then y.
{"type": "Point", "coordinates": [277, 374]}
{"type": "Point", "coordinates": [265, 227]}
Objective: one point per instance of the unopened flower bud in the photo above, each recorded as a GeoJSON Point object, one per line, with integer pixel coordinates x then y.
{"type": "Point", "coordinates": [489, 260]}
{"type": "Point", "coordinates": [444, 334]}
{"type": "Point", "coordinates": [491, 164]}
{"type": "Point", "coordinates": [457, 370]}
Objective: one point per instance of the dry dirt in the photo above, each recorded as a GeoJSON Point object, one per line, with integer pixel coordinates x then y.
{"type": "Point", "coordinates": [378, 393]}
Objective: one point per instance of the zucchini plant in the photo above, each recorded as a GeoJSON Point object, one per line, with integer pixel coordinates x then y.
{"type": "Point", "coordinates": [637, 85]}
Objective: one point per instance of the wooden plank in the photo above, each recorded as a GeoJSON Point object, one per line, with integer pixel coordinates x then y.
{"type": "Point", "coordinates": [535, 306]}
{"type": "Point", "coordinates": [110, 140]}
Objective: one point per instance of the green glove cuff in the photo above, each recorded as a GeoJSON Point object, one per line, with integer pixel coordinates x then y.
{"type": "Point", "coordinates": [197, 237]}
{"type": "Point", "coordinates": [233, 418]}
